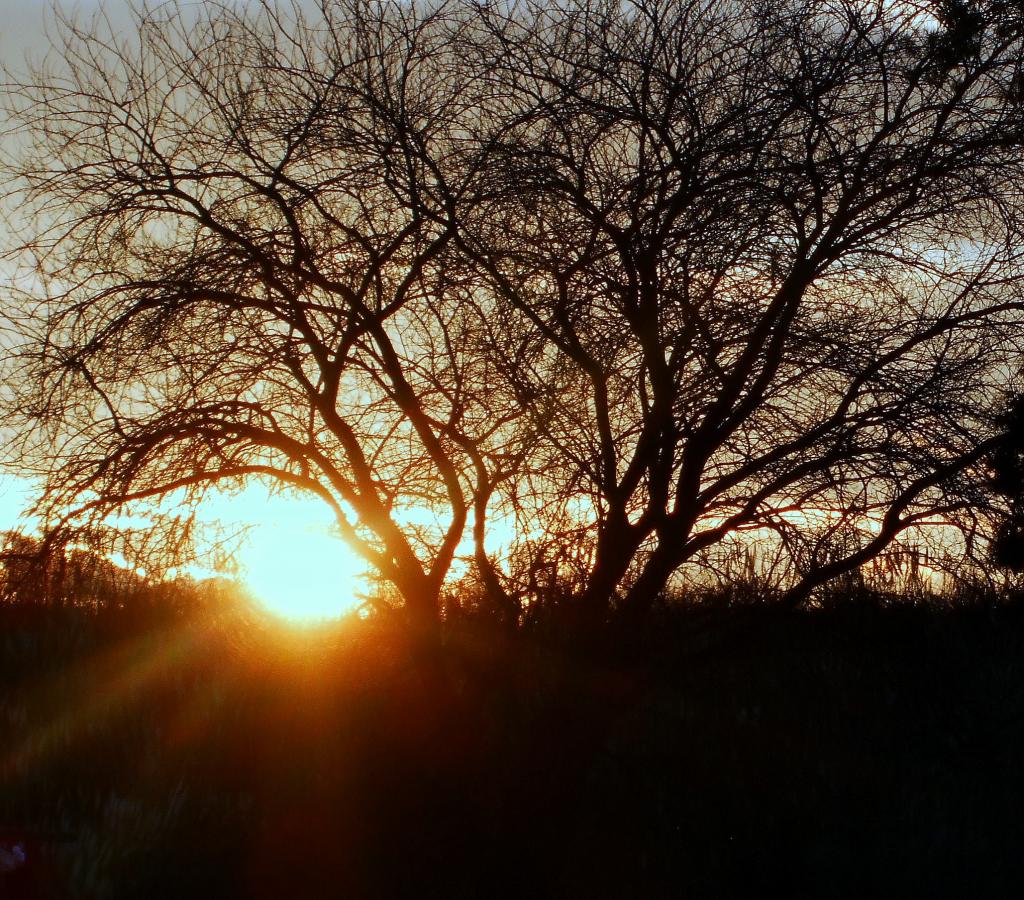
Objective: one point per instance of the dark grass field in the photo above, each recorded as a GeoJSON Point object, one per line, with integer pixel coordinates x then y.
{"type": "Point", "coordinates": [870, 749]}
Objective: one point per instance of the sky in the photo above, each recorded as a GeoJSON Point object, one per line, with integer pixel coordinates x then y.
{"type": "Point", "coordinates": [22, 25]}
{"type": "Point", "coordinates": [22, 22]}
{"type": "Point", "coordinates": [22, 28]}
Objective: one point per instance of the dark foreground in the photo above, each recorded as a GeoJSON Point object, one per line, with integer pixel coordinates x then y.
{"type": "Point", "coordinates": [855, 752]}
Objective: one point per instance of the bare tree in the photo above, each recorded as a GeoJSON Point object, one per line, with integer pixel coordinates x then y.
{"type": "Point", "coordinates": [767, 261]}
{"type": "Point", "coordinates": [241, 228]}
{"type": "Point", "coordinates": [639, 276]}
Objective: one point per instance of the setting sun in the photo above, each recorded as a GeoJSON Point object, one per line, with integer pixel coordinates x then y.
{"type": "Point", "coordinates": [301, 573]}
{"type": "Point", "coordinates": [291, 560]}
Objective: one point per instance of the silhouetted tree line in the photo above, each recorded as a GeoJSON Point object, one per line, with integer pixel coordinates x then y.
{"type": "Point", "coordinates": [34, 573]}
{"type": "Point", "coordinates": [41, 572]}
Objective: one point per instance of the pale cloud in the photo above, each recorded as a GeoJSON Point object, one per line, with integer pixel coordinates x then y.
{"type": "Point", "coordinates": [24, 25]}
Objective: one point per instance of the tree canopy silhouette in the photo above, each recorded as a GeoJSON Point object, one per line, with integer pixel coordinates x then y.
{"type": "Point", "coordinates": [580, 291]}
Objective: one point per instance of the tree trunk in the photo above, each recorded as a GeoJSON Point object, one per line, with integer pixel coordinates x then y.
{"type": "Point", "coordinates": [652, 581]}
{"type": "Point", "coordinates": [423, 624]}
{"type": "Point", "coordinates": [616, 550]}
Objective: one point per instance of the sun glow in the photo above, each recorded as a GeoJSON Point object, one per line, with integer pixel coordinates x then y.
{"type": "Point", "coordinates": [302, 574]}
{"type": "Point", "coordinates": [291, 561]}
